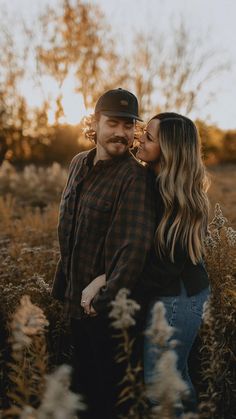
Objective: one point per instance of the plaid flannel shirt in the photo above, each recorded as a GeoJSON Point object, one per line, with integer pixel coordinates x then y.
{"type": "Point", "coordinates": [106, 225]}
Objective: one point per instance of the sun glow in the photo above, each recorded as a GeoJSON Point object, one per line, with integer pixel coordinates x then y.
{"type": "Point", "coordinates": [73, 106]}
{"type": "Point", "coordinates": [72, 101]}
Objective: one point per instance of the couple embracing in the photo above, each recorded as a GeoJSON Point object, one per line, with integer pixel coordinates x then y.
{"type": "Point", "coordinates": [124, 224]}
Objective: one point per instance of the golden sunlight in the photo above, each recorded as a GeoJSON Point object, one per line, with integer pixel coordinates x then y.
{"type": "Point", "coordinates": [72, 101]}
{"type": "Point", "coordinates": [73, 106]}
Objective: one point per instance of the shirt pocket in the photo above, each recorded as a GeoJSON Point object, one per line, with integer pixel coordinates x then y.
{"type": "Point", "coordinates": [97, 215]}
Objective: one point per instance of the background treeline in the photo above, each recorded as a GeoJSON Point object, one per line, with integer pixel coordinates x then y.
{"type": "Point", "coordinates": [59, 143]}
{"type": "Point", "coordinates": [73, 41]}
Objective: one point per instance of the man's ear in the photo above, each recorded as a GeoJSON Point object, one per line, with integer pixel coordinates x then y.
{"type": "Point", "coordinates": [94, 124]}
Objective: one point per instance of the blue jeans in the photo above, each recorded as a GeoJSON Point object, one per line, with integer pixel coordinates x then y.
{"type": "Point", "coordinates": [184, 314]}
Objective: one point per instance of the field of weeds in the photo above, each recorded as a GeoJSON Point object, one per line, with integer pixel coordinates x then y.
{"type": "Point", "coordinates": [28, 255]}
{"type": "Point", "coordinates": [222, 190]}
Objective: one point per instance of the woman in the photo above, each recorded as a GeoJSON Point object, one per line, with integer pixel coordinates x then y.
{"type": "Point", "coordinates": [174, 272]}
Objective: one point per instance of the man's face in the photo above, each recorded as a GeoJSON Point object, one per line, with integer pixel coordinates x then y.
{"type": "Point", "coordinates": [114, 136]}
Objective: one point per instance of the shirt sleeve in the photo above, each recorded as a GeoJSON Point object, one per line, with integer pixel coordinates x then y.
{"type": "Point", "coordinates": [59, 283]}
{"type": "Point", "coordinates": [128, 240]}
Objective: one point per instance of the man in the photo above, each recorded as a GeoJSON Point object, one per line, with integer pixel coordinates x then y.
{"type": "Point", "coordinates": [106, 225]}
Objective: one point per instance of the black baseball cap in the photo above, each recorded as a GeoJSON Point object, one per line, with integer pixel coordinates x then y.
{"type": "Point", "coordinates": [118, 102]}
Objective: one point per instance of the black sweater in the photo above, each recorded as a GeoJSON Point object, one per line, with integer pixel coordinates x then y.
{"type": "Point", "coordinates": [161, 277]}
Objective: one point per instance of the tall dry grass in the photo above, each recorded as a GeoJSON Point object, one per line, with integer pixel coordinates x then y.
{"type": "Point", "coordinates": [35, 395]}
{"type": "Point", "coordinates": [32, 393]}
{"type": "Point", "coordinates": [131, 388]}
{"type": "Point", "coordinates": [28, 256]}
{"type": "Point", "coordinates": [34, 186]}
{"type": "Point", "coordinates": [219, 326]}
{"type": "Point", "coordinates": [222, 190]}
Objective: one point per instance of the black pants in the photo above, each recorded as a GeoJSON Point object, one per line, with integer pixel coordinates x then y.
{"type": "Point", "coordinates": [96, 374]}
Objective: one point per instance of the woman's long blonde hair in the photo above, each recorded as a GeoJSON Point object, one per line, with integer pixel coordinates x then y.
{"type": "Point", "coordinates": [183, 184]}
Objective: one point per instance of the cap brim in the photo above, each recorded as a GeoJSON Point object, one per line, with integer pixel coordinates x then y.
{"type": "Point", "coordinates": [122, 114]}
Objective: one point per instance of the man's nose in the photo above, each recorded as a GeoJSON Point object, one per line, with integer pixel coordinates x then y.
{"type": "Point", "coordinates": [120, 131]}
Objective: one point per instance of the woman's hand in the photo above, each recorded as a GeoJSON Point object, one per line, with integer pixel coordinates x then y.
{"type": "Point", "coordinates": [89, 293]}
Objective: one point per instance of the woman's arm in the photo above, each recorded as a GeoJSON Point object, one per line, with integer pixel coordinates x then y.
{"type": "Point", "coordinates": [90, 291]}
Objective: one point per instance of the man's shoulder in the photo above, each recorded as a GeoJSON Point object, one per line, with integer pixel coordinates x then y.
{"type": "Point", "coordinates": [78, 159]}
{"type": "Point", "coordinates": [133, 166]}
{"type": "Point", "coordinates": [80, 156]}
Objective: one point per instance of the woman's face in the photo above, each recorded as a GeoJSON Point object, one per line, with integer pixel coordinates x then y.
{"type": "Point", "coordinates": [149, 148]}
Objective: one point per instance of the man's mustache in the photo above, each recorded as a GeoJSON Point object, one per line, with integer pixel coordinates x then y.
{"type": "Point", "coordinates": [116, 139]}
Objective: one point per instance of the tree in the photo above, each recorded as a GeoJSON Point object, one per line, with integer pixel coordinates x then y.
{"type": "Point", "coordinates": [169, 72]}
{"type": "Point", "coordinates": [74, 39]}
{"type": "Point", "coordinates": [229, 147]}
{"type": "Point", "coordinates": [78, 42]}
{"type": "Point", "coordinates": [11, 101]}
{"type": "Point", "coordinates": [143, 72]}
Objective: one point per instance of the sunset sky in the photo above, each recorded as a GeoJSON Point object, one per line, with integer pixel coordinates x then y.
{"type": "Point", "coordinates": [214, 19]}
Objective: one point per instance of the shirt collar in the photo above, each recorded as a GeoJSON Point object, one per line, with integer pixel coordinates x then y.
{"type": "Point", "coordinates": [89, 158]}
